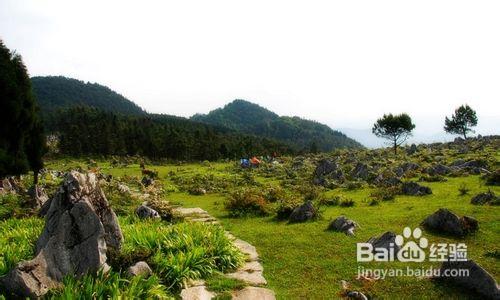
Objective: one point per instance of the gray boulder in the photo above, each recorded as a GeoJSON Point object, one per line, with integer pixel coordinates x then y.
{"type": "Point", "coordinates": [140, 269]}
{"type": "Point", "coordinates": [79, 228]}
{"type": "Point", "coordinates": [327, 169]}
{"type": "Point", "coordinates": [360, 171]}
{"type": "Point", "coordinates": [386, 241]}
{"type": "Point", "coordinates": [485, 198]}
{"type": "Point", "coordinates": [477, 280]}
{"type": "Point", "coordinates": [439, 169]}
{"type": "Point", "coordinates": [414, 189]}
{"type": "Point", "coordinates": [343, 224]}
{"type": "Point", "coordinates": [145, 212]}
{"type": "Point", "coordinates": [412, 150]}
{"type": "Point", "coordinates": [446, 222]}
{"type": "Point", "coordinates": [303, 213]}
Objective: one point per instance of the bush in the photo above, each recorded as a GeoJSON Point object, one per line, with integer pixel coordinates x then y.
{"type": "Point", "coordinates": [17, 242]}
{"type": "Point", "coordinates": [463, 190]}
{"type": "Point", "coordinates": [180, 252]}
{"type": "Point", "coordinates": [274, 194]}
{"type": "Point", "coordinates": [246, 201]}
{"type": "Point", "coordinates": [493, 178]}
{"type": "Point", "coordinates": [309, 191]}
{"type": "Point", "coordinates": [286, 206]}
{"type": "Point", "coordinates": [374, 202]}
{"type": "Point", "coordinates": [385, 194]}
{"type": "Point", "coordinates": [353, 185]}
{"type": "Point", "coordinates": [432, 178]}
{"type": "Point", "coordinates": [110, 286]}
{"type": "Point", "coordinates": [346, 203]}
{"type": "Point", "coordinates": [334, 201]}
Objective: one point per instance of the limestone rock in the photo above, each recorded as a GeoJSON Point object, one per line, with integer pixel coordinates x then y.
{"type": "Point", "coordinates": [478, 279]}
{"type": "Point", "coordinates": [446, 222]}
{"type": "Point", "coordinates": [79, 228]}
{"type": "Point", "coordinates": [145, 212]}
{"type": "Point", "coordinates": [485, 198]}
{"type": "Point", "coordinates": [196, 293]}
{"type": "Point", "coordinates": [124, 189]}
{"type": "Point", "coordinates": [247, 249]}
{"type": "Point", "coordinates": [140, 269]}
{"type": "Point", "coordinates": [303, 213]}
{"type": "Point", "coordinates": [38, 196]}
{"type": "Point", "coordinates": [360, 171]}
{"type": "Point", "coordinates": [414, 189]}
{"type": "Point", "coordinates": [386, 241]}
{"type": "Point", "coordinates": [254, 293]}
{"type": "Point", "coordinates": [343, 224]}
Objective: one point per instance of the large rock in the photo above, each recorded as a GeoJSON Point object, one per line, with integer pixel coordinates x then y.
{"type": "Point", "coordinates": [438, 169]}
{"type": "Point", "coordinates": [414, 189]}
{"type": "Point", "coordinates": [327, 169]}
{"type": "Point", "coordinates": [446, 222]}
{"type": "Point", "coordinates": [485, 198]}
{"type": "Point", "coordinates": [477, 279]}
{"type": "Point", "coordinates": [79, 228]}
{"type": "Point", "coordinates": [196, 293]}
{"type": "Point", "coordinates": [386, 241]}
{"type": "Point", "coordinates": [343, 224]}
{"type": "Point", "coordinates": [145, 212]}
{"type": "Point", "coordinates": [303, 213]}
{"type": "Point", "coordinates": [360, 171]}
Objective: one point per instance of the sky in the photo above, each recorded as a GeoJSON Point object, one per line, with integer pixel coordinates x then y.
{"type": "Point", "coordinates": [342, 63]}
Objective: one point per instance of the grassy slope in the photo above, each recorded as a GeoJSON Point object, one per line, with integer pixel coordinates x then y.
{"type": "Point", "coordinates": [305, 261]}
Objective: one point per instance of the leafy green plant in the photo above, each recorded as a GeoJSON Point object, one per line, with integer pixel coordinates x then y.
{"type": "Point", "coordinates": [347, 203]}
{"type": "Point", "coordinates": [220, 283]}
{"type": "Point", "coordinates": [463, 189]}
{"type": "Point", "coordinates": [247, 201]}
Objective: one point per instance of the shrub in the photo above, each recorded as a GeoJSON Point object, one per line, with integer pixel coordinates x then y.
{"type": "Point", "coordinates": [334, 201]}
{"type": "Point", "coordinates": [353, 185]}
{"type": "Point", "coordinates": [110, 286]}
{"type": "Point", "coordinates": [346, 203]}
{"type": "Point", "coordinates": [493, 178]}
{"type": "Point", "coordinates": [309, 191]}
{"type": "Point", "coordinates": [432, 178]}
{"type": "Point", "coordinates": [286, 206]}
{"type": "Point", "coordinates": [374, 202]}
{"type": "Point", "coordinates": [385, 194]}
{"type": "Point", "coordinates": [17, 242]}
{"type": "Point", "coordinates": [180, 252]}
{"type": "Point", "coordinates": [463, 190]}
{"type": "Point", "coordinates": [274, 194]}
{"type": "Point", "coordinates": [246, 201]}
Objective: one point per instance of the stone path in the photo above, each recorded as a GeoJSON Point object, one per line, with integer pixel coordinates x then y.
{"type": "Point", "coordinates": [251, 272]}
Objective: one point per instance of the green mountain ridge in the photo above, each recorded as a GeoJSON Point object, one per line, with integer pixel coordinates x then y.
{"type": "Point", "coordinates": [59, 92]}
{"type": "Point", "coordinates": [302, 134]}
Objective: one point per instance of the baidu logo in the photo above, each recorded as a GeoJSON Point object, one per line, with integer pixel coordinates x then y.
{"type": "Point", "coordinates": [411, 251]}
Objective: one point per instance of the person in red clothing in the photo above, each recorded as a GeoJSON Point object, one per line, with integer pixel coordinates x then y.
{"type": "Point", "coordinates": [255, 161]}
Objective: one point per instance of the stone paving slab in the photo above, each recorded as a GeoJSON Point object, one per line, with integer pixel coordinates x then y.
{"type": "Point", "coordinates": [254, 293]}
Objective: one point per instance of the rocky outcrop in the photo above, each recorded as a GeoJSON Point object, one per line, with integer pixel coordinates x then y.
{"type": "Point", "coordinates": [327, 169]}
{"type": "Point", "coordinates": [360, 171]}
{"type": "Point", "coordinates": [145, 212]}
{"type": "Point", "coordinates": [446, 222]}
{"type": "Point", "coordinates": [386, 241]}
{"type": "Point", "coordinates": [343, 224]}
{"type": "Point", "coordinates": [477, 280]}
{"type": "Point", "coordinates": [79, 228]}
{"type": "Point", "coordinates": [303, 213]}
{"type": "Point", "coordinates": [414, 189]}
{"type": "Point", "coordinates": [485, 198]}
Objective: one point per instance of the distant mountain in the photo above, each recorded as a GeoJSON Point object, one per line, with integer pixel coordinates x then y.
{"type": "Point", "coordinates": [301, 134]}
{"type": "Point", "coordinates": [58, 92]}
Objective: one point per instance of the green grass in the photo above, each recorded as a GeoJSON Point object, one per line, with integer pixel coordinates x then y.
{"type": "Point", "coordinates": [220, 283]}
{"type": "Point", "coordinates": [305, 260]}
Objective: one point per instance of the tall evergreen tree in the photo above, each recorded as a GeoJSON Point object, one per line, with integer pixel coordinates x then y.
{"type": "Point", "coordinates": [22, 140]}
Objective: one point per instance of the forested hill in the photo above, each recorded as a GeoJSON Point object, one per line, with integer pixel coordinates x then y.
{"type": "Point", "coordinates": [301, 134]}
{"type": "Point", "coordinates": [58, 92]}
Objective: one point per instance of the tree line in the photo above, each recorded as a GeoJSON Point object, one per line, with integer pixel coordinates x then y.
{"type": "Point", "coordinates": [90, 131]}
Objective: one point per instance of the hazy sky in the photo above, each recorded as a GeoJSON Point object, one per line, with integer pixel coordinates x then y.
{"type": "Point", "coordinates": [343, 63]}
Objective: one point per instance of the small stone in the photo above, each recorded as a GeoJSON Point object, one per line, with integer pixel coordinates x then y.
{"type": "Point", "coordinates": [140, 269]}
{"type": "Point", "coordinates": [343, 224]}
